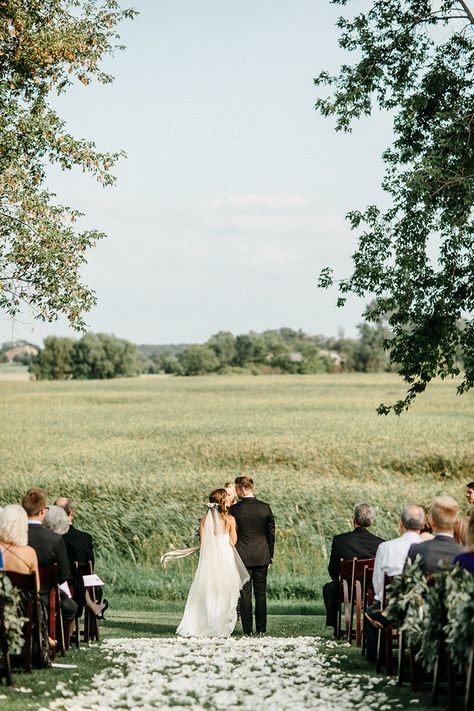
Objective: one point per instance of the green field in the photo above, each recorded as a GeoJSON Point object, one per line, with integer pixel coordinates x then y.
{"type": "Point", "coordinates": [138, 456]}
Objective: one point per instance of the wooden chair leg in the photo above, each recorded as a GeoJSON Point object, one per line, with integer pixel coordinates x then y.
{"type": "Point", "coordinates": [28, 642]}
{"type": "Point", "coordinates": [452, 701]}
{"type": "Point", "coordinates": [347, 608]}
{"type": "Point", "coordinates": [469, 690]}
{"type": "Point", "coordinates": [60, 624]}
{"type": "Point", "coordinates": [415, 670]}
{"type": "Point", "coordinates": [378, 665]}
{"type": "Point", "coordinates": [389, 650]}
{"type": "Point", "coordinates": [358, 598]}
{"type": "Point", "coordinates": [401, 658]}
{"type": "Point", "coordinates": [77, 632]}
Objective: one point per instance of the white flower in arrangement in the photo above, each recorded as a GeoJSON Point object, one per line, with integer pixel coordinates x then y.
{"type": "Point", "coordinates": [201, 674]}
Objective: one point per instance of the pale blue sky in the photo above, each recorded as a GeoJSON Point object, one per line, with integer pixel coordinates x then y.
{"type": "Point", "coordinates": [234, 191]}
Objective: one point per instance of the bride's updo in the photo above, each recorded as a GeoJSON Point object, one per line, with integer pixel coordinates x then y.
{"type": "Point", "coordinates": [219, 497]}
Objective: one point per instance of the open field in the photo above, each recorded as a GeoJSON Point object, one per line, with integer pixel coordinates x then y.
{"type": "Point", "coordinates": [138, 456]}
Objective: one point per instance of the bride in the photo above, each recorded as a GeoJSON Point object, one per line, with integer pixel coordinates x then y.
{"type": "Point", "coordinates": [211, 607]}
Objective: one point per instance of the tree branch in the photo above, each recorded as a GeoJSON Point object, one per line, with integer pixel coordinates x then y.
{"type": "Point", "coordinates": [468, 12]}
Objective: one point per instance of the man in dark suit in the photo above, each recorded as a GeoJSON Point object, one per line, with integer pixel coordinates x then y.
{"type": "Point", "coordinates": [358, 543]}
{"type": "Point", "coordinates": [441, 550]}
{"type": "Point", "coordinates": [79, 544]}
{"type": "Point", "coordinates": [255, 545]}
{"type": "Point", "coordinates": [50, 549]}
{"type": "Point", "coordinates": [80, 549]}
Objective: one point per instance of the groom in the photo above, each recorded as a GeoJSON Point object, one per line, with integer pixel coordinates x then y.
{"type": "Point", "coordinates": [255, 544]}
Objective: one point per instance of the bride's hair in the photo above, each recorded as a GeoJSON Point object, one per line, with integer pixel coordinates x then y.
{"type": "Point", "coordinates": [219, 497]}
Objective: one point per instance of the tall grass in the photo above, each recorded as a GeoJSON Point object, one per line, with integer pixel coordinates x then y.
{"type": "Point", "coordinates": [139, 456]}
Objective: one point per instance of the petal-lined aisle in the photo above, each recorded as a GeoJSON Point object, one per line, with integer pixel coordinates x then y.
{"type": "Point", "coordinates": [241, 673]}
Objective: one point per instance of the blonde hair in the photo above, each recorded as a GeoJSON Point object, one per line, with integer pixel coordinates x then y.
{"type": "Point", "coordinates": [460, 529]}
{"type": "Point", "coordinates": [444, 511]}
{"type": "Point", "coordinates": [14, 525]}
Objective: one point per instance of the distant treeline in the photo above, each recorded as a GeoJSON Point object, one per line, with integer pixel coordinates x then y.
{"type": "Point", "coordinates": [277, 351]}
{"type": "Point", "coordinates": [100, 356]}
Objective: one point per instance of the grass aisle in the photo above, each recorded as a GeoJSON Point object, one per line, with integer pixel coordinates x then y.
{"type": "Point", "coordinates": [221, 674]}
{"type": "Point", "coordinates": [299, 666]}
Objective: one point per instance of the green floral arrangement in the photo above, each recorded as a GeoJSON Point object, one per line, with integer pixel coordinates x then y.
{"type": "Point", "coordinates": [459, 629]}
{"type": "Point", "coordinates": [10, 599]}
{"type": "Point", "coordinates": [406, 608]}
{"type": "Point", "coordinates": [434, 621]}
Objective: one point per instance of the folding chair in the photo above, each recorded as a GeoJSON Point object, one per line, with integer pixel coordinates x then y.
{"type": "Point", "coordinates": [26, 584]}
{"type": "Point", "coordinates": [49, 577]}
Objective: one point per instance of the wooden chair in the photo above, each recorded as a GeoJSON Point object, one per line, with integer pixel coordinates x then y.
{"type": "Point", "coordinates": [6, 668]}
{"type": "Point", "coordinates": [350, 595]}
{"type": "Point", "coordinates": [26, 584]}
{"type": "Point", "coordinates": [49, 577]}
{"type": "Point", "coordinates": [387, 639]}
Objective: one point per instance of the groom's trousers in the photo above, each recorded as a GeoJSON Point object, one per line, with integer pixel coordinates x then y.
{"type": "Point", "coordinates": [258, 581]}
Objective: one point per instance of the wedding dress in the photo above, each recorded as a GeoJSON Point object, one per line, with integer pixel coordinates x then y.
{"type": "Point", "coordinates": [211, 607]}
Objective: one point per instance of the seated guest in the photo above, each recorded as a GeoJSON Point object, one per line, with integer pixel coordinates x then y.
{"type": "Point", "coordinates": [442, 549]}
{"type": "Point", "coordinates": [80, 549]}
{"type": "Point", "coordinates": [50, 549]}
{"type": "Point", "coordinates": [79, 545]}
{"type": "Point", "coordinates": [470, 495]}
{"type": "Point", "coordinates": [466, 559]}
{"type": "Point", "coordinates": [359, 543]}
{"type": "Point", "coordinates": [426, 532]}
{"type": "Point", "coordinates": [56, 520]}
{"type": "Point", "coordinates": [460, 530]}
{"type": "Point", "coordinates": [391, 555]}
{"type": "Point", "coordinates": [17, 555]}
{"type": "Point", "coordinates": [390, 560]}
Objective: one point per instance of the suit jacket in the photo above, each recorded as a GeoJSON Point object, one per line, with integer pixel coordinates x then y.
{"type": "Point", "coordinates": [440, 549]}
{"type": "Point", "coordinates": [79, 546]}
{"type": "Point", "coordinates": [50, 549]}
{"type": "Point", "coordinates": [359, 543]}
{"type": "Point", "coordinates": [255, 531]}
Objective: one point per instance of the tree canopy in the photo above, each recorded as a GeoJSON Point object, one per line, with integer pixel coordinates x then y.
{"type": "Point", "coordinates": [45, 46]}
{"type": "Point", "coordinates": [416, 259]}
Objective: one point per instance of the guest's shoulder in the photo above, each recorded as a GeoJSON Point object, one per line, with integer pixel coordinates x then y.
{"type": "Point", "coordinates": [342, 536]}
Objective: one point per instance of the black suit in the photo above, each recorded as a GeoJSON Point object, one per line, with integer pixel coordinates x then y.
{"type": "Point", "coordinates": [440, 549]}
{"type": "Point", "coordinates": [50, 549]}
{"type": "Point", "coordinates": [359, 543]}
{"type": "Point", "coordinates": [255, 545]}
{"type": "Point", "coordinates": [79, 546]}
{"type": "Point", "coordinates": [80, 549]}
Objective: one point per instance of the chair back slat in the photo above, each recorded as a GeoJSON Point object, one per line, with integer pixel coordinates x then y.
{"type": "Point", "coordinates": [353, 574]}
